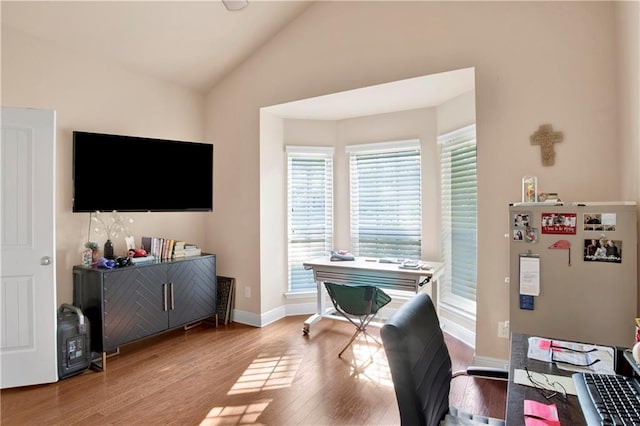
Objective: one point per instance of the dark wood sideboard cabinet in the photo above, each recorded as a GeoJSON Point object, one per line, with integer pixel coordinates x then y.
{"type": "Point", "coordinates": [130, 303]}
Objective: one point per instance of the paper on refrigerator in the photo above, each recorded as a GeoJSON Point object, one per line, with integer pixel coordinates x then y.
{"type": "Point", "coordinates": [530, 275]}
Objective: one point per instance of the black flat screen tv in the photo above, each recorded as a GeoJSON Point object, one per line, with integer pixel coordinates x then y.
{"type": "Point", "coordinates": [135, 174]}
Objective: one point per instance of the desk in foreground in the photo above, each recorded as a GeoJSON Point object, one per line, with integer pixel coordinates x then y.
{"type": "Point", "coordinates": [569, 411]}
{"type": "Point", "coordinates": [367, 271]}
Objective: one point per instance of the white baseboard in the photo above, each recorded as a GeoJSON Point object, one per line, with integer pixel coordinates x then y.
{"type": "Point", "coordinates": [483, 361]}
{"type": "Point", "coordinates": [307, 308]}
{"type": "Point", "coordinates": [247, 318]}
{"type": "Point", "coordinates": [256, 320]}
{"type": "Point", "coordinates": [466, 336]}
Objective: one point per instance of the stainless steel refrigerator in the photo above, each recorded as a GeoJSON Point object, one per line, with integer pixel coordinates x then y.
{"type": "Point", "coordinates": [573, 271]}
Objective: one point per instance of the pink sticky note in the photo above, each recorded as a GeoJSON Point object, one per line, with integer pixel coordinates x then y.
{"type": "Point", "coordinates": [544, 344]}
{"type": "Point", "coordinates": [537, 413]}
{"type": "Point", "coordinates": [532, 421]}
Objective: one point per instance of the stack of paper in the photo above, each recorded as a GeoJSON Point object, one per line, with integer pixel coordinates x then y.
{"type": "Point", "coordinates": [572, 356]}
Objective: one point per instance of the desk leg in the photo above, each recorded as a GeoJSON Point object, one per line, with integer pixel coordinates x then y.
{"type": "Point", "coordinates": [320, 308]}
{"type": "Point", "coordinates": [435, 291]}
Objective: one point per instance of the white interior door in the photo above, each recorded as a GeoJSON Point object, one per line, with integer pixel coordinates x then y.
{"type": "Point", "coordinates": [28, 317]}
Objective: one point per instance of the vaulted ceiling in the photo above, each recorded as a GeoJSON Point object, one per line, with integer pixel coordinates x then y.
{"type": "Point", "coordinates": [194, 44]}
{"type": "Point", "coordinates": [190, 43]}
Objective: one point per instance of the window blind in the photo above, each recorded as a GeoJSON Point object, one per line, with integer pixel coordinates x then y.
{"type": "Point", "coordinates": [386, 199]}
{"type": "Point", "coordinates": [310, 211]}
{"type": "Point", "coordinates": [459, 196]}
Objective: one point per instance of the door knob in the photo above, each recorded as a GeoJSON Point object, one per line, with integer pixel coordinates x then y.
{"type": "Point", "coordinates": [45, 260]}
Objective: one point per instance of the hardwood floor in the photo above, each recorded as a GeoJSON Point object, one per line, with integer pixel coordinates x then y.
{"type": "Point", "coordinates": [236, 374]}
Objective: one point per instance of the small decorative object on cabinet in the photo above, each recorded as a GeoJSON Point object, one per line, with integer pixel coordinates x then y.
{"type": "Point", "coordinates": [529, 189]}
{"type": "Point", "coordinates": [86, 257]}
{"type": "Point", "coordinates": [128, 304]}
{"type": "Point", "coordinates": [108, 250]}
{"type": "Point", "coordinates": [93, 255]}
{"type": "Point", "coordinates": [112, 226]}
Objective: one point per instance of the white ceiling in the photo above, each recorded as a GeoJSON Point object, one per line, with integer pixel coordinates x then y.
{"type": "Point", "coordinates": [190, 43]}
{"type": "Point", "coordinates": [196, 43]}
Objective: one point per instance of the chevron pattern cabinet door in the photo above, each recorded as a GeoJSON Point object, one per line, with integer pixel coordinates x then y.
{"type": "Point", "coordinates": [127, 304]}
{"type": "Point", "coordinates": [134, 304]}
{"type": "Point", "coordinates": [194, 290]}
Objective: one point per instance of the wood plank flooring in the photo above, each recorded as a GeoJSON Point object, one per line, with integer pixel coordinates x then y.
{"type": "Point", "coordinates": [235, 375]}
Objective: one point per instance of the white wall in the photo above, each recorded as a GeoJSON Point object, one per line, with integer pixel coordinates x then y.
{"type": "Point", "coordinates": [93, 95]}
{"type": "Point", "coordinates": [536, 63]}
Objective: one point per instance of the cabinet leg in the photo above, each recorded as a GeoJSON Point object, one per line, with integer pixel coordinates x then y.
{"type": "Point", "coordinates": [99, 361]}
{"type": "Point", "coordinates": [212, 321]}
{"type": "Point", "coordinates": [190, 326]}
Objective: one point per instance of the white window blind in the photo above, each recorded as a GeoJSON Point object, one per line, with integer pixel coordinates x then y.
{"type": "Point", "coordinates": [310, 211]}
{"type": "Point", "coordinates": [386, 199]}
{"type": "Point", "coordinates": [459, 195]}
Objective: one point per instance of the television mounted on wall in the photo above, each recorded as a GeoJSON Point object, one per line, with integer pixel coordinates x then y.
{"type": "Point", "coordinates": [138, 174]}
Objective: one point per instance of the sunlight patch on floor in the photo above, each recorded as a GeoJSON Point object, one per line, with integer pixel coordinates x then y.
{"type": "Point", "coordinates": [235, 415]}
{"type": "Point", "coordinates": [369, 363]}
{"type": "Point", "coordinates": [268, 371]}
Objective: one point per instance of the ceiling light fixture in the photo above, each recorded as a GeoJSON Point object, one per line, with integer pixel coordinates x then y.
{"type": "Point", "coordinates": [235, 4]}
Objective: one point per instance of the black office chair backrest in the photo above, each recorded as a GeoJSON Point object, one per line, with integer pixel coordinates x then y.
{"type": "Point", "coordinates": [419, 362]}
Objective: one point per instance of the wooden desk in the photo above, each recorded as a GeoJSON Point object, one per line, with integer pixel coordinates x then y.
{"type": "Point", "coordinates": [366, 271]}
{"type": "Point", "coordinates": [569, 411]}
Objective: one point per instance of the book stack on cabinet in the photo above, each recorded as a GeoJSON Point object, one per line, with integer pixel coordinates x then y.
{"type": "Point", "coordinates": [178, 250]}
{"type": "Point", "coordinates": [182, 249]}
{"type": "Point", "coordinates": [166, 248]}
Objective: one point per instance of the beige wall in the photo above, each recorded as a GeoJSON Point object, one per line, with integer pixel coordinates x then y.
{"type": "Point", "coordinates": [92, 95]}
{"type": "Point", "coordinates": [457, 113]}
{"type": "Point", "coordinates": [536, 63]}
{"type": "Point", "coordinates": [627, 16]}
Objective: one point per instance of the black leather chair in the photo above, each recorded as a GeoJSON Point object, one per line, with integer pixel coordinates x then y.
{"type": "Point", "coordinates": [420, 367]}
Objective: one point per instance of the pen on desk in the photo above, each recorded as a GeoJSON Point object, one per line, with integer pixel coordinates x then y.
{"type": "Point", "coordinates": [588, 364]}
{"type": "Point", "coordinates": [552, 346]}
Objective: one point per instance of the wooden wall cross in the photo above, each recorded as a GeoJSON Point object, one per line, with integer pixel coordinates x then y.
{"type": "Point", "coordinates": [546, 137]}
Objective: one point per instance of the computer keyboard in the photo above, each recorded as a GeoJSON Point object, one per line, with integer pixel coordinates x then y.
{"type": "Point", "coordinates": [607, 399]}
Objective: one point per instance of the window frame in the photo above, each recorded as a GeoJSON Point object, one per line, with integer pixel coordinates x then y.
{"type": "Point", "coordinates": [411, 150]}
{"type": "Point", "coordinates": [294, 261]}
{"type": "Point", "coordinates": [460, 138]}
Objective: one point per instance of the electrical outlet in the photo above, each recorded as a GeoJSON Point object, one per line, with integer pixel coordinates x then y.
{"type": "Point", "coordinates": [247, 292]}
{"type": "Point", "coordinates": [503, 329]}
